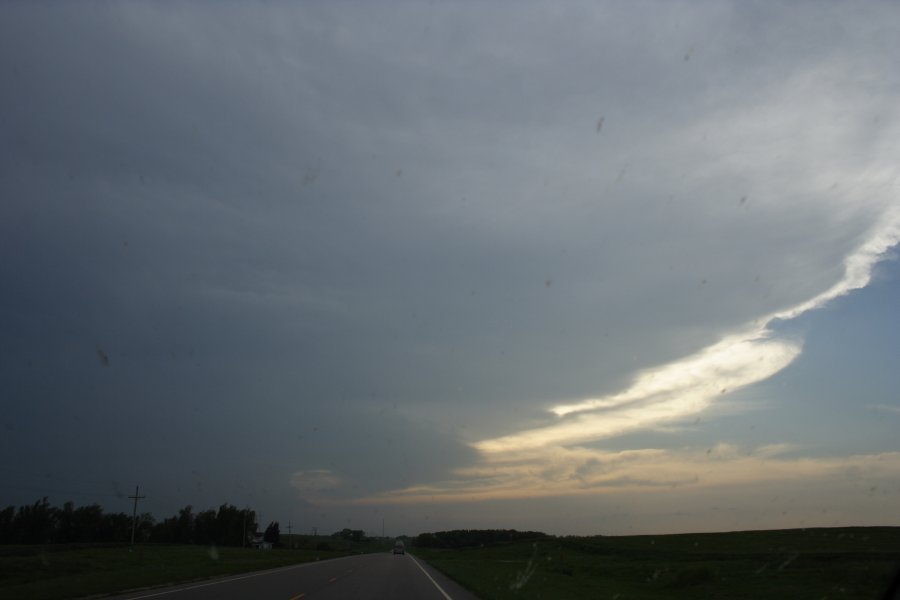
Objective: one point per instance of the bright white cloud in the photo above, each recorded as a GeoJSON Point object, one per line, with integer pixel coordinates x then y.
{"type": "Point", "coordinates": [690, 385]}
{"type": "Point", "coordinates": [668, 393]}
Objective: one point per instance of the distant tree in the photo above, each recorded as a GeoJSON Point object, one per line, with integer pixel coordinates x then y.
{"type": "Point", "coordinates": [206, 529]}
{"type": "Point", "coordinates": [223, 527]}
{"type": "Point", "coordinates": [7, 529]}
{"type": "Point", "coordinates": [145, 524]}
{"type": "Point", "coordinates": [166, 531]}
{"type": "Point", "coordinates": [115, 527]}
{"type": "Point", "coordinates": [351, 535]}
{"type": "Point", "coordinates": [248, 524]}
{"type": "Point", "coordinates": [272, 534]}
{"type": "Point", "coordinates": [184, 528]}
{"type": "Point", "coordinates": [36, 524]}
{"type": "Point", "coordinates": [41, 523]}
{"type": "Point", "coordinates": [87, 524]}
{"type": "Point", "coordinates": [65, 524]}
{"type": "Point", "coordinates": [231, 523]}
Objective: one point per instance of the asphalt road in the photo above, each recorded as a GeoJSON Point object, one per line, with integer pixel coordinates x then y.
{"type": "Point", "coordinates": [363, 577]}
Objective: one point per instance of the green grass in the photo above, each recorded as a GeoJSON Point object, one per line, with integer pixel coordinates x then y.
{"type": "Point", "coordinates": [54, 572]}
{"type": "Point", "coordinates": [798, 564]}
{"type": "Point", "coordinates": [803, 564]}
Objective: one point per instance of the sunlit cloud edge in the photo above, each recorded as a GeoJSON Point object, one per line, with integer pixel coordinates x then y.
{"type": "Point", "coordinates": [723, 466]}
{"type": "Point", "coordinates": [692, 384]}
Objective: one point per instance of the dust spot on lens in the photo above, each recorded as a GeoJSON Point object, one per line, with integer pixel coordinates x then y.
{"type": "Point", "coordinates": [103, 356]}
{"type": "Point", "coordinates": [310, 176]}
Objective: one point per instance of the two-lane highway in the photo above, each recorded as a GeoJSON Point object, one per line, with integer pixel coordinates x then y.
{"type": "Point", "coordinates": [363, 577]}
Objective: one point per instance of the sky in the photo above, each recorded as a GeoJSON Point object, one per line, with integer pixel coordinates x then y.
{"type": "Point", "coordinates": [596, 268]}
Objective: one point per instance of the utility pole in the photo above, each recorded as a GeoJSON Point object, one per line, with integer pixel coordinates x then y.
{"type": "Point", "coordinates": [136, 497]}
{"type": "Point", "coordinates": [290, 537]}
{"type": "Point", "coordinates": [382, 527]}
{"type": "Point", "coordinates": [244, 528]}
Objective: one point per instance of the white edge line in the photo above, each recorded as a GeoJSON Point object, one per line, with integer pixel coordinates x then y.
{"type": "Point", "coordinates": [440, 589]}
{"type": "Point", "coordinates": [238, 578]}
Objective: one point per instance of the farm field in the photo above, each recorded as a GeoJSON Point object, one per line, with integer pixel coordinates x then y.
{"type": "Point", "coordinates": [856, 562]}
{"type": "Point", "coordinates": [56, 572]}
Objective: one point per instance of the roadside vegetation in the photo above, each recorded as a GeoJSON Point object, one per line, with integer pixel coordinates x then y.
{"type": "Point", "coordinates": [53, 572]}
{"type": "Point", "coordinates": [43, 523]}
{"type": "Point", "coordinates": [50, 553]}
{"type": "Point", "coordinates": [854, 562]}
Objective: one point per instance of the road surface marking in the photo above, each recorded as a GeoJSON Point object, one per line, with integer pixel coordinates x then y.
{"type": "Point", "coordinates": [440, 589]}
{"type": "Point", "coordinates": [332, 580]}
{"type": "Point", "coordinates": [298, 596]}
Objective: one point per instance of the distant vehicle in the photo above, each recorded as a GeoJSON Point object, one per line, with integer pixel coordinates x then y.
{"type": "Point", "coordinates": [398, 548]}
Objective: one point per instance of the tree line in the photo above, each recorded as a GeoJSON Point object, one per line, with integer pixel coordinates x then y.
{"type": "Point", "coordinates": [467, 538]}
{"type": "Point", "coordinates": [41, 523]}
{"type": "Point", "coordinates": [351, 535]}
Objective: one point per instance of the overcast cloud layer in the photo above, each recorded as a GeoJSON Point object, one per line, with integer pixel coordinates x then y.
{"type": "Point", "coordinates": [460, 265]}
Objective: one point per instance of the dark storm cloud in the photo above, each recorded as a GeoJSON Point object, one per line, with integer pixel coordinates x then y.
{"type": "Point", "coordinates": [316, 251]}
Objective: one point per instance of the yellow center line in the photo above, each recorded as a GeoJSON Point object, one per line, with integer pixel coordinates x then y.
{"type": "Point", "coordinates": [298, 596]}
{"type": "Point", "coordinates": [332, 580]}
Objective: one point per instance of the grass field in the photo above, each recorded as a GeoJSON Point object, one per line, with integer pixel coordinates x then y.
{"type": "Point", "coordinates": [55, 572]}
{"type": "Point", "coordinates": [835, 563]}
